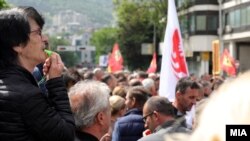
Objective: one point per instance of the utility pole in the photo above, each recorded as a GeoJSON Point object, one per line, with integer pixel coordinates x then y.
{"type": "Point", "coordinates": [220, 31]}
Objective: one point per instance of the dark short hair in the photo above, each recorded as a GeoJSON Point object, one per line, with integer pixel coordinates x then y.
{"type": "Point", "coordinates": [106, 77]}
{"type": "Point", "coordinates": [140, 94]}
{"type": "Point", "coordinates": [161, 105]}
{"type": "Point", "coordinates": [14, 30]}
{"type": "Point", "coordinates": [34, 14]}
{"type": "Point", "coordinates": [185, 83]}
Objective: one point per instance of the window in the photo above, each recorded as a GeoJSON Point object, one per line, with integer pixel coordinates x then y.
{"type": "Point", "coordinates": [212, 22]}
{"type": "Point", "coordinates": [243, 16]}
{"type": "Point", "coordinates": [184, 24]}
{"type": "Point", "coordinates": [200, 22]}
{"type": "Point", "coordinates": [248, 15]}
{"type": "Point", "coordinates": [237, 18]}
{"type": "Point", "coordinates": [192, 23]}
{"type": "Point", "coordinates": [227, 19]}
{"type": "Point", "coordinates": [231, 19]}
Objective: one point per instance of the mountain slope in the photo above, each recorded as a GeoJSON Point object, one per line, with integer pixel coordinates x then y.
{"type": "Point", "coordinates": [98, 11]}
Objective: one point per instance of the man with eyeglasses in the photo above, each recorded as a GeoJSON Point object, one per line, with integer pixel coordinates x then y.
{"type": "Point", "coordinates": [158, 114]}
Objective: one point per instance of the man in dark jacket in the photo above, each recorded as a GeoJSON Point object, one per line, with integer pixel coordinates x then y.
{"type": "Point", "coordinates": [90, 104]}
{"type": "Point", "coordinates": [160, 119]}
{"type": "Point", "coordinates": [25, 113]}
{"type": "Point", "coordinates": [131, 126]}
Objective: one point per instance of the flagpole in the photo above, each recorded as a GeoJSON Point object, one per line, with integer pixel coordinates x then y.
{"type": "Point", "coordinates": [154, 39]}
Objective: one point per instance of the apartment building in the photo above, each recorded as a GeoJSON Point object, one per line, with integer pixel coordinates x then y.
{"type": "Point", "coordinates": [236, 35]}
{"type": "Point", "coordinates": [199, 22]}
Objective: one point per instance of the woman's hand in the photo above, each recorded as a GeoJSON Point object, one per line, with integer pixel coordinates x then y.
{"type": "Point", "coordinates": [53, 66]}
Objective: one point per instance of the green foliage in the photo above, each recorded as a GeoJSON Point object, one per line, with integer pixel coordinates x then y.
{"type": "Point", "coordinates": [136, 22]}
{"type": "Point", "coordinates": [69, 58]}
{"type": "Point", "coordinates": [104, 40]}
{"type": "Point", "coordinates": [3, 4]}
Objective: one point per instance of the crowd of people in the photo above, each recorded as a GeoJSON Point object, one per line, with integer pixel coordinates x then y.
{"type": "Point", "coordinates": [92, 105]}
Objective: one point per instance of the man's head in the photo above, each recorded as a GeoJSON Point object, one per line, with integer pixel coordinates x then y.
{"type": "Point", "coordinates": [89, 102]}
{"type": "Point", "coordinates": [207, 88]}
{"type": "Point", "coordinates": [186, 93]}
{"type": "Point", "coordinates": [134, 82]}
{"type": "Point", "coordinates": [149, 84]}
{"type": "Point", "coordinates": [110, 80]}
{"type": "Point", "coordinates": [156, 111]}
{"type": "Point", "coordinates": [136, 97]}
{"type": "Point", "coordinates": [98, 73]}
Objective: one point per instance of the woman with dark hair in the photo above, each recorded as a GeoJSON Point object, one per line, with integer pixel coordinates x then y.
{"type": "Point", "coordinates": [25, 113]}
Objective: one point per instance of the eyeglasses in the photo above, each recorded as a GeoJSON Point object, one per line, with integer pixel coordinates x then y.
{"type": "Point", "coordinates": [145, 117]}
{"type": "Point", "coordinates": [37, 31]}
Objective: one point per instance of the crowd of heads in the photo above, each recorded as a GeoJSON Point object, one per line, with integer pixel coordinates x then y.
{"type": "Point", "coordinates": [140, 90]}
{"type": "Point", "coordinates": [99, 98]}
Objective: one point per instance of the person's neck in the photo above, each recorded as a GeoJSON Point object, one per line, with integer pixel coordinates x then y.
{"type": "Point", "coordinates": [26, 65]}
{"type": "Point", "coordinates": [178, 107]}
{"type": "Point", "coordinates": [114, 118]}
{"type": "Point", "coordinates": [93, 131]}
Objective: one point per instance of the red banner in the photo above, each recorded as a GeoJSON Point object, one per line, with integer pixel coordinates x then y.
{"type": "Point", "coordinates": [115, 62]}
{"type": "Point", "coordinates": [153, 65]}
{"type": "Point", "coordinates": [228, 63]}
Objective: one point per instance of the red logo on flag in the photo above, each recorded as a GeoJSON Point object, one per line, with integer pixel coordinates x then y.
{"type": "Point", "coordinates": [178, 58]}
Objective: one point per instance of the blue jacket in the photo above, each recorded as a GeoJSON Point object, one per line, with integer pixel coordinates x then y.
{"type": "Point", "coordinates": [129, 127]}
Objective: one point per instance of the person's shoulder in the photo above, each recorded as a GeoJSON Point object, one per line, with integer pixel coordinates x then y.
{"type": "Point", "coordinates": [153, 137]}
{"type": "Point", "coordinates": [130, 118]}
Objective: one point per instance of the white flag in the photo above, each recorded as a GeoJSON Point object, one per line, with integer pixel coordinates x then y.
{"type": "Point", "coordinates": [173, 65]}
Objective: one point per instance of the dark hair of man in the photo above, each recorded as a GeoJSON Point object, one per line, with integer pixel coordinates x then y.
{"type": "Point", "coordinates": [185, 83]}
{"type": "Point", "coordinates": [105, 78]}
{"type": "Point", "coordinates": [89, 75]}
{"type": "Point", "coordinates": [140, 94]}
{"type": "Point", "coordinates": [142, 74]}
{"type": "Point", "coordinates": [135, 82]}
{"type": "Point", "coordinates": [33, 13]}
{"type": "Point", "coordinates": [161, 105]}
{"type": "Point", "coordinates": [71, 75]}
{"type": "Point", "coordinates": [14, 30]}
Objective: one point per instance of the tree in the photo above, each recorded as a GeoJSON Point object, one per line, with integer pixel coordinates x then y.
{"type": "Point", "coordinates": [104, 40]}
{"type": "Point", "coordinates": [136, 22]}
{"type": "Point", "coordinates": [3, 4]}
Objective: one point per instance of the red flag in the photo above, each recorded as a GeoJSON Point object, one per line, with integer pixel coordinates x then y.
{"type": "Point", "coordinates": [153, 66]}
{"type": "Point", "coordinates": [228, 63]}
{"type": "Point", "coordinates": [173, 66]}
{"type": "Point", "coordinates": [115, 59]}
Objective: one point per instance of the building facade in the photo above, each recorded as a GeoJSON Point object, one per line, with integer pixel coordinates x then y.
{"type": "Point", "coordinates": [236, 34]}
{"type": "Point", "coordinates": [199, 22]}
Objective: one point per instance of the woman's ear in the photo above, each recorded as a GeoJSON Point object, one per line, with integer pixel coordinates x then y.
{"type": "Point", "coordinates": [18, 49]}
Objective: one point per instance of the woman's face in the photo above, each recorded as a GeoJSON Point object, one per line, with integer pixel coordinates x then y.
{"type": "Point", "coordinates": [33, 53]}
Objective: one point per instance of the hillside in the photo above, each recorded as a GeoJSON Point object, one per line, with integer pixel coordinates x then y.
{"type": "Point", "coordinates": [97, 11]}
